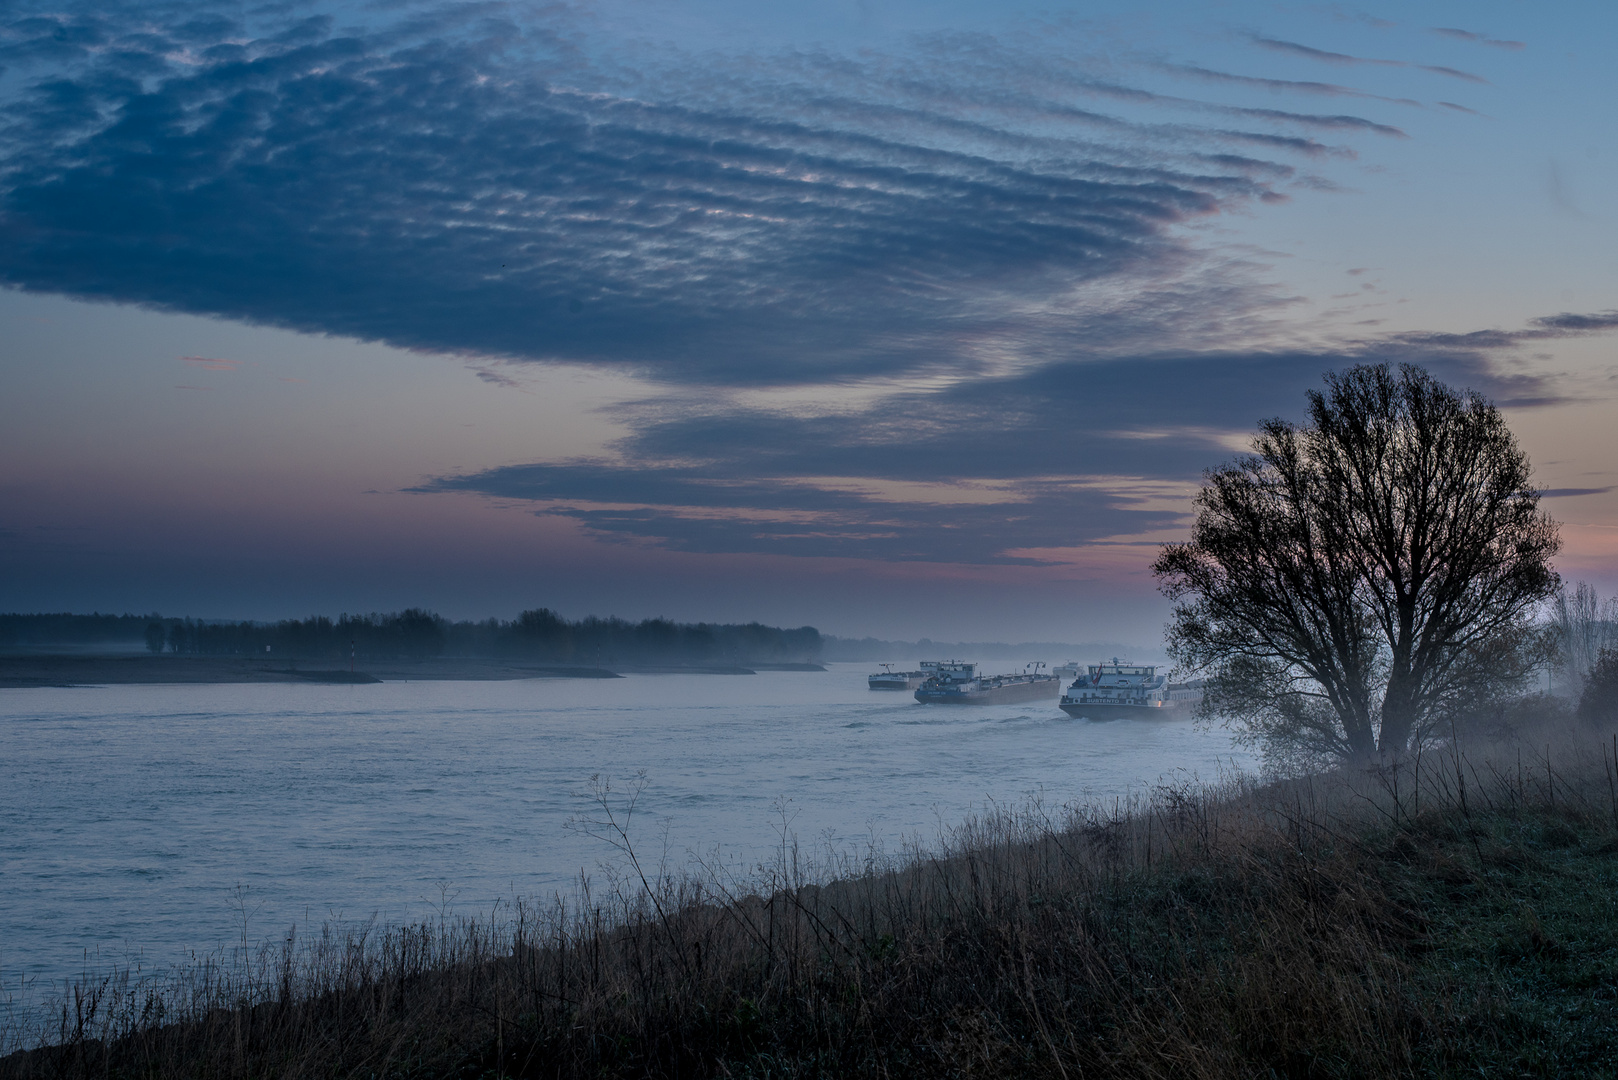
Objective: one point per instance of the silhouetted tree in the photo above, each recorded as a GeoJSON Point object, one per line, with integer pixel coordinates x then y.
{"type": "Point", "coordinates": [1356, 580]}
{"type": "Point", "coordinates": [1599, 702]}
{"type": "Point", "coordinates": [155, 636]}
{"type": "Point", "coordinates": [1584, 627]}
{"type": "Point", "coordinates": [420, 633]}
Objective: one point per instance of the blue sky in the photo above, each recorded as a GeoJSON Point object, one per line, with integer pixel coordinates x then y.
{"type": "Point", "coordinates": [891, 318]}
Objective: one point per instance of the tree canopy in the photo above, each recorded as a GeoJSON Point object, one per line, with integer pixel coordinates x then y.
{"type": "Point", "coordinates": [1357, 579]}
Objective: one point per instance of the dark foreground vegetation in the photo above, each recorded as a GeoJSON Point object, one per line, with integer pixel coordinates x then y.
{"type": "Point", "coordinates": [539, 636]}
{"type": "Point", "coordinates": [1451, 916]}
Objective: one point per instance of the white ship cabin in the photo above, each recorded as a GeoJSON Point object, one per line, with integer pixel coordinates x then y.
{"type": "Point", "coordinates": [1120, 683]}
{"type": "Point", "coordinates": [951, 671]}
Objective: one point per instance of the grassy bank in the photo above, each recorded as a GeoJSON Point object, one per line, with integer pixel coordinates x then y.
{"type": "Point", "coordinates": [1455, 916]}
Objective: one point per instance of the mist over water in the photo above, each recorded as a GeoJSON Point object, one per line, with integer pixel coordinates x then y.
{"type": "Point", "coordinates": [150, 821]}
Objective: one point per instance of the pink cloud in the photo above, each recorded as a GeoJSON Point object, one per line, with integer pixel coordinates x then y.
{"type": "Point", "coordinates": [207, 363]}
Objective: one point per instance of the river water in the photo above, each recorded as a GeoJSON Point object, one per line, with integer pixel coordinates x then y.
{"type": "Point", "coordinates": [154, 823]}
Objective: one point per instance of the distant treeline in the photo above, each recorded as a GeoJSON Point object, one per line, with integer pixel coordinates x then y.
{"type": "Point", "coordinates": [65, 629]}
{"type": "Point", "coordinates": [416, 634]}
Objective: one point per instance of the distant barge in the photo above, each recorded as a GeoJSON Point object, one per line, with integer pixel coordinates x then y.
{"type": "Point", "coordinates": [955, 683]}
{"type": "Point", "coordinates": [888, 679]}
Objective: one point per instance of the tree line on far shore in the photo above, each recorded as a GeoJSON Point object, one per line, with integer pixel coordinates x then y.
{"type": "Point", "coordinates": [61, 628]}
{"type": "Point", "coordinates": [537, 635]}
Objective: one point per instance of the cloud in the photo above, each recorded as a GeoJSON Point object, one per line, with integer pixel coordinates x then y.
{"type": "Point", "coordinates": [708, 510]}
{"type": "Point", "coordinates": [1342, 121]}
{"type": "Point", "coordinates": [207, 363]}
{"type": "Point", "coordinates": [1290, 143]}
{"type": "Point", "coordinates": [991, 471]}
{"type": "Point", "coordinates": [494, 378]}
{"type": "Point", "coordinates": [1454, 73]}
{"type": "Point", "coordinates": [1279, 85]}
{"type": "Point", "coordinates": [1325, 57]}
{"type": "Point", "coordinates": [1571, 323]}
{"type": "Point", "coordinates": [1481, 39]}
{"type": "Point", "coordinates": [1278, 45]}
{"type": "Point", "coordinates": [1568, 493]}
{"type": "Point", "coordinates": [1544, 328]}
{"type": "Point", "coordinates": [473, 180]}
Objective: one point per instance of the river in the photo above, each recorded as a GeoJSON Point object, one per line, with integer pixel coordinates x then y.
{"type": "Point", "coordinates": [156, 823]}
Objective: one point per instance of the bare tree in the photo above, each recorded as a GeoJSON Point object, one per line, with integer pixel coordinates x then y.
{"type": "Point", "coordinates": [1598, 700]}
{"type": "Point", "coordinates": [1358, 579]}
{"type": "Point", "coordinates": [1584, 626]}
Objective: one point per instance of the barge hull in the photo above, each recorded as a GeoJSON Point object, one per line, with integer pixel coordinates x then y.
{"type": "Point", "coordinates": [1090, 710]}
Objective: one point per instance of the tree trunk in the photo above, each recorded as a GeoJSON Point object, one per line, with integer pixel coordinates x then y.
{"type": "Point", "coordinates": [1398, 714]}
{"type": "Point", "coordinates": [1361, 743]}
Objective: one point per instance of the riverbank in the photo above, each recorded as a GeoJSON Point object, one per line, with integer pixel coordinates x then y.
{"type": "Point", "coordinates": [42, 670]}
{"type": "Point", "coordinates": [1452, 916]}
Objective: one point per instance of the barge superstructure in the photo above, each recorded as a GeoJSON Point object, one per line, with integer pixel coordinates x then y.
{"type": "Point", "coordinates": [1115, 689]}
{"type": "Point", "coordinates": [953, 682]}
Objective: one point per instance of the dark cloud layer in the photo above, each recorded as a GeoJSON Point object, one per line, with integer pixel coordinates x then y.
{"type": "Point", "coordinates": [476, 179]}
{"type": "Point", "coordinates": [492, 180]}
{"type": "Point", "coordinates": [1067, 450]}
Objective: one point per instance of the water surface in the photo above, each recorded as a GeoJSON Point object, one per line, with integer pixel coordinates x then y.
{"type": "Point", "coordinates": [159, 821]}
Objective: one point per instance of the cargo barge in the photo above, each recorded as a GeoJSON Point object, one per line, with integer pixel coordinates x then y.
{"type": "Point", "coordinates": [956, 683]}
{"type": "Point", "coordinates": [888, 679]}
{"type": "Point", "coordinates": [1118, 689]}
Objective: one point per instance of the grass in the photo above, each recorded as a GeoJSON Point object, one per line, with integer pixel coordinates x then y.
{"type": "Point", "coordinates": [1521, 949]}
{"type": "Point", "coordinates": [1450, 917]}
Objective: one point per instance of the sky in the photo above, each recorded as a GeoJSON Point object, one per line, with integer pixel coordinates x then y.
{"type": "Point", "coordinates": [892, 318]}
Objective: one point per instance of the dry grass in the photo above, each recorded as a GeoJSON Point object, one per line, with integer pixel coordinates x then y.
{"type": "Point", "coordinates": [1320, 927]}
